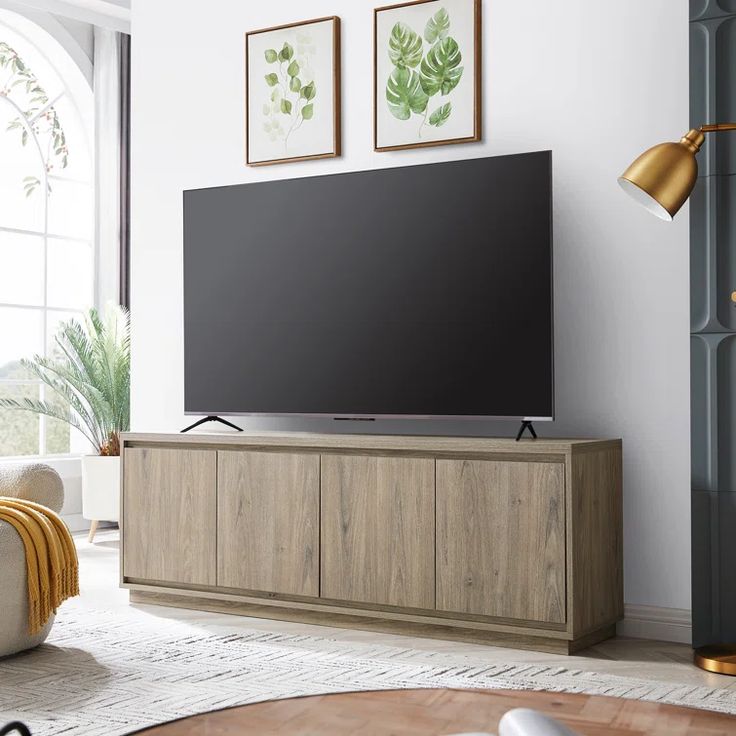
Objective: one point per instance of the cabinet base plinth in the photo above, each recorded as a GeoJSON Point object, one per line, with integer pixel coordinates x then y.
{"type": "Point", "coordinates": [454, 630]}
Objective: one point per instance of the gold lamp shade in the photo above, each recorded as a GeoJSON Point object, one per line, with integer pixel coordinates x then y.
{"type": "Point", "coordinates": [662, 178]}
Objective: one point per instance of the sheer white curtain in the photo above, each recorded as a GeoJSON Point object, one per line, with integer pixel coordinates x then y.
{"type": "Point", "coordinates": [107, 61]}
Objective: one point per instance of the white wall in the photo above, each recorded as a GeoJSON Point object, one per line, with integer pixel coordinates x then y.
{"type": "Point", "coordinates": [596, 82]}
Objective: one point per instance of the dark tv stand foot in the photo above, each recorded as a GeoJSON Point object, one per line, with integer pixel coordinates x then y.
{"type": "Point", "coordinates": [211, 418]}
{"type": "Point", "coordinates": [526, 424]}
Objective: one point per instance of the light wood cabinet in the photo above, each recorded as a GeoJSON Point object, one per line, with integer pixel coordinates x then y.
{"type": "Point", "coordinates": [501, 539]}
{"type": "Point", "coordinates": [268, 521]}
{"type": "Point", "coordinates": [378, 530]}
{"type": "Point", "coordinates": [515, 543]}
{"type": "Point", "coordinates": [169, 522]}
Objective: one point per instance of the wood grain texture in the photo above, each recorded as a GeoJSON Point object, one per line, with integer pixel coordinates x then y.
{"type": "Point", "coordinates": [595, 534]}
{"type": "Point", "coordinates": [169, 511]}
{"type": "Point", "coordinates": [268, 522]}
{"type": "Point", "coordinates": [373, 443]}
{"type": "Point", "coordinates": [501, 539]}
{"type": "Point", "coordinates": [443, 711]}
{"type": "Point", "coordinates": [378, 530]}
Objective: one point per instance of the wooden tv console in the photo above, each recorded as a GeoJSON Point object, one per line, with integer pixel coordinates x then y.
{"type": "Point", "coordinates": [510, 543]}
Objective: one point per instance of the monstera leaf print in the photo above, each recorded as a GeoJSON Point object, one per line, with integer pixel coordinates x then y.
{"type": "Point", "coordinates": [437, 26]}
{"type": "Point", "coordinates": [404, 94]}
{"type": "Point", "coordinates": [404, 46]}
{"type": "Point", "coordinates": [416, 76]}
{"type": "Point", "coordinates": [441, 115]}
{"type": "Point", "coordinates": [440, 70]}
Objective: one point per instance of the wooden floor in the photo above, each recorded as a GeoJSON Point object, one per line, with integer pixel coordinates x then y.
{"type": "Point", "coordinates": [437, 712]}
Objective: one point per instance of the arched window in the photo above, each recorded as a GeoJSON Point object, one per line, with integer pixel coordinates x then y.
{"type": "Point", "coordinates": [47, 254]}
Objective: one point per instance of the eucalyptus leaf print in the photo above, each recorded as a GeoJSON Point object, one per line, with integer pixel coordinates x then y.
{"type": "Point", "coordinates": [404, 46]}
{"type": "Point", "coordinates": [404, 94]}
{"type": "Point", "coordinates": [440, 70]}
{"type": "Point", "coordinates": [291, 100]}
{"type": "Point", "coordinates": [423, 66]}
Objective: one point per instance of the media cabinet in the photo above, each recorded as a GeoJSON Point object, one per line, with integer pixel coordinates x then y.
{"type": "Point", "coordinates": [510, 543]}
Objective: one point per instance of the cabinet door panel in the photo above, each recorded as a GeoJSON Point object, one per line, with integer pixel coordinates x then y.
{"type": "Point", "coordinates": [169, 523]}
{"type": "Point", "coordinates": [268, 522]}
{"type": "Point", "coordinates": [501, 539]}
{"type": "Point", "coordinates": [378, 530]}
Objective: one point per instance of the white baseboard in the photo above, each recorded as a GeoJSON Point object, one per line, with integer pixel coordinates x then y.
{"type": "Point", "coordinates": [659, 624]}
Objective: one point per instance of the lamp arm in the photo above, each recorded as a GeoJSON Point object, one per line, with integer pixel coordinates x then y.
{"type": "Point", "coordinates": [715, 127]}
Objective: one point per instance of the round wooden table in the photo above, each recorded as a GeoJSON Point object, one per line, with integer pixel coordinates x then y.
{"type": "Point", "coordinates": [440, 712]}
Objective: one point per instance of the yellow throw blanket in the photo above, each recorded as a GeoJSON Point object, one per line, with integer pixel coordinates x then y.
{"type": "Point", "coordinates": [51, 557]}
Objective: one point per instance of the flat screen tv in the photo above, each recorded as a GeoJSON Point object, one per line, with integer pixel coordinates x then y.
{"type": "Point", "coordinates": [419, 291]}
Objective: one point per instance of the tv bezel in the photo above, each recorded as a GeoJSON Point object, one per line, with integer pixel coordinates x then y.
{"type": "Point", "coordinates": [378, 416]}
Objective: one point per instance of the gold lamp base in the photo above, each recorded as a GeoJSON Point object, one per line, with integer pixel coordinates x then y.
{"type": "Point", "coordinates": [720, 658]}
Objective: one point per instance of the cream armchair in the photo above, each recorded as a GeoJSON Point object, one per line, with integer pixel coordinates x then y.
{"type": "Point", "coordinates": [33, 482]}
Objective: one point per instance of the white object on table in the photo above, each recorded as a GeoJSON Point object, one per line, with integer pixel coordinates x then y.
{"type": "Point", "coordinates": [528, 722]}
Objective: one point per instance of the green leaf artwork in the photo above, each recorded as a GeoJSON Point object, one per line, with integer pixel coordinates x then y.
{"type": "Point", "coordinates": [286, 52]}
{"type": "Point", "coordinates": [290, 101]}
{"type": "Point", "coordinates": [404, 46]}
{"type": "Point", "coordinates": [437, 26]}
{"type": "Point", "coordinates": [404, 94]}
{"type": "Point", "coordinates": [440, 70]}
{"type": "Point", "coordinates": [440, 115]}
{"type": "Point", "coordinates": [408, 88]}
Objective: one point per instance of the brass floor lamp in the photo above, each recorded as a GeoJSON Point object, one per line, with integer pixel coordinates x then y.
{"type": "Point", "coordinates": [661, 180]}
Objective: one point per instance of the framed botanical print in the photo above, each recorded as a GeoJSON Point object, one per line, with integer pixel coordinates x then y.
{"type": "Point", "coordinates": [427, 69]}
{"type": "Point", "coordinates": [292, 92]}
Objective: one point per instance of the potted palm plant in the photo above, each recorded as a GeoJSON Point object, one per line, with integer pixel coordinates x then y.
{"type": "Point", "coordinates": [89, 370]}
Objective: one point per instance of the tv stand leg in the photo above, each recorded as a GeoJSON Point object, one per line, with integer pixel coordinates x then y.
{"type": "Point", "coordinates": [211, 419]}
{"type": "Point", "coordinates": [526, 424]}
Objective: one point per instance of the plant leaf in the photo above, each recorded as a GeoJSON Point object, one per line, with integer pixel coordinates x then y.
{"type": "Point", "coordinates": [286, 107]}
{"type": "Point", "coordinates": [404, 46]}
{"type": "Point", "coordinates": [308, 111]}
{"type": "Point", "coordinates": [404, 94]}
{"type": "Point", "coordinates": [271, 79]}
{"type": "Point", "coordinates": [437, 26]}
{"type": "Point", "coordinates": [440, 115]}
{"type": "Point", "coordinates": [295, 84]}
{"type": "Point", "coordinates": [440, 70]}
{"type": "Point", "coordinates": [293, 68]}
{"type": "Point", "coordinates": [286, 52]}
{"type": "Point", "coordinates": [308, 91]}
{"type": "Point", "coordinates": [270, 55]}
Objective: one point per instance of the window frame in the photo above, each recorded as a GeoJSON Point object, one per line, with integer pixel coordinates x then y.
{"type": "Point", "coordinates": [40, 38]}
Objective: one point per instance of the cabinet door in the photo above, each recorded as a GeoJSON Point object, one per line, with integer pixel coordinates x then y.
{"type": "Point", "coordinates": [378, 530]}
{"type": "Point", "coordinates": [501, 539]}
{"type": "Point", "coordinates": [169, 523]}
{"type": "Point", "coordinates": [268, 522]}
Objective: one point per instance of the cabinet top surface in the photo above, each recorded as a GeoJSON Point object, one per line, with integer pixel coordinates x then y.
{"type": "Point", "coordinates": [375, 442]}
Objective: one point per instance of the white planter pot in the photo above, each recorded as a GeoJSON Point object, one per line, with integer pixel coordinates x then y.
{"type": "Point", "coordinates": [100, 488]}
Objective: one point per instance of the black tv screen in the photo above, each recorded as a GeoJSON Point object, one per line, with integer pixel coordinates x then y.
{"type": "Point", "coordinates": [412, 291]}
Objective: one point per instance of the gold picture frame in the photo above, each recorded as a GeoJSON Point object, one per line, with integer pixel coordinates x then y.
{"type": "Point", "coordinates": [287, 95]}
{"type": "Point", "coordinates": [410, 43]}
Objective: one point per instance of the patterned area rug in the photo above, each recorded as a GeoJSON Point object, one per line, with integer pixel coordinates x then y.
{"type": "Point", "coordinates": [107, 673]}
